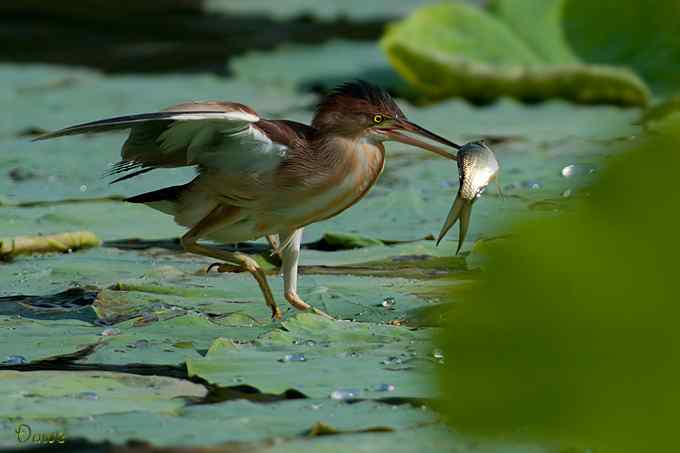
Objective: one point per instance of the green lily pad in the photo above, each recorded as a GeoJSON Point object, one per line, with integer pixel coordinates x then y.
{"type": "Point", "coordinates": [458, 50]}
{"type": "Point", "coordinates": [54, 394]}
{"type": "Point", "coordinates": [321, 66]}
{"type": "Point", "coordinates": [170, 341]}
{"type": "Point", "coordinates": [35, 339]}
{"type": "Point", "coordinates": [233, 421]}
{"type": "Point", "coordinates": [319, 357]}
{"type": "Point", "coordinates": [355, 10]}
{"type": "Point", "coordinates": [429, 438]}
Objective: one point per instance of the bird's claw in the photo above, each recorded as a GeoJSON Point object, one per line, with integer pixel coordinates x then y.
{"type": "Point", "coordinates": [321, 313]}
{"type": "Point", "coordinates": [295, 300]}
{"type": "Point", "coordinates": [276, 314]}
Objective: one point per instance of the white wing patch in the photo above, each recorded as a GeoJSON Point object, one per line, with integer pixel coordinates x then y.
{"type": "Point", "coordinates": [234, 116]}
{"type": "Point", "coordinates": [245, 151]}
{"type": "Point", "coordinates": [227, 142]}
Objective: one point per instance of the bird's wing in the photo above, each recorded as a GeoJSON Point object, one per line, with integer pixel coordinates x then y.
{"type": "Point", "coordinates": [214, 135]}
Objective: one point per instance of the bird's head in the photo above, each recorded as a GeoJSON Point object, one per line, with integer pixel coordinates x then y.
{"type": "Point", "coordinates": [361, 110]}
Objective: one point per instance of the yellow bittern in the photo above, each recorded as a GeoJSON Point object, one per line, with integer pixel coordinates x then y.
{"type": "Point", "coordinates": [259, 177]}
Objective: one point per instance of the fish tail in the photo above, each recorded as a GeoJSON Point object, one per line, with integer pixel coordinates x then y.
{"type": "Point", "coordinates": [460, 205]}
{"type": "Point", "coordinates": [464, 223]}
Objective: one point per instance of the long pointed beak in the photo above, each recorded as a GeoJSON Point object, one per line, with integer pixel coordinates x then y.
{"type": "Point", "coordinates": [407, 126]}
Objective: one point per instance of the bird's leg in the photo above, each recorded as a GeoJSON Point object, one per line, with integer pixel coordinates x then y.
{"type": "Point", "coordinates": [218, 218]}
{"type": "Point", "coordinates": [290, 255]}
{"type": "Point", "coordinates": [273, 240]}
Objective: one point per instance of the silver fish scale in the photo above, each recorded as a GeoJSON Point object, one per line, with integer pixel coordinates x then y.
{"type": "Point", "coordinates": [475, 157]}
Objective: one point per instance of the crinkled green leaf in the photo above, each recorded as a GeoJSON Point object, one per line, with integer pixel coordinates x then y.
{"type": "Point", "coordinates": [458, 50]}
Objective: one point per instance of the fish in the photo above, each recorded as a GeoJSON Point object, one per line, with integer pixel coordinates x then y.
{"type": "Point", "coordinates": [477, 167]}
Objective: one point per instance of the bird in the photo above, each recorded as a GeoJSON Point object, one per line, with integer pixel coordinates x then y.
{"type": "Point", "coordinates": [260, 177]}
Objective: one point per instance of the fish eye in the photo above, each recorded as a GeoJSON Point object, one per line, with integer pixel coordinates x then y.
{"type": "Point", "coordinates": [377, 119]}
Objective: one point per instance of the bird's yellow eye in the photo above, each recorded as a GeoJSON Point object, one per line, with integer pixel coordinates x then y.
{"type": "Point", "coordinates": [377, 119]}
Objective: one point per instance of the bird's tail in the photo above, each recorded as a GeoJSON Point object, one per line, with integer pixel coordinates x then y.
{"type": "Point", "coordinates": [460, 210]}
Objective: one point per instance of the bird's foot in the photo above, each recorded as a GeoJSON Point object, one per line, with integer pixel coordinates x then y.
{"type": "Point", "coordinates": [250, 265]}
{"type": "Point", "coordinates": [301, 305]}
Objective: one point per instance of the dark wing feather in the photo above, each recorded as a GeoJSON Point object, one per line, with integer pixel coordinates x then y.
{"type": "Point", "coordinates": [128, 121]}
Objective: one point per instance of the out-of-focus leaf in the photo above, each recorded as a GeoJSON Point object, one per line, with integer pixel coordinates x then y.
{"type": "Point", "coordinates": [354, 10]}
{"type": "Point", "coordinates": [661, 115]}
{"type": "Point", "coordinates": [635, 33]}
{"type": "Point", "coordinates": [458, 50]}
{"type": "Point", "coordinates": [322, 66]}
{"type": "Point", "coordinates": [539, 24]}
{"type": "Point", "coordinates": [64, 242]}
{"type": "Point", "coordinates": [573, 337]}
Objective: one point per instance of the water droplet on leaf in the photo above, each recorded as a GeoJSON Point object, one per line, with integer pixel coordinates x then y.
{"type": "Point", "coordinates": [345, 394]}
{"type": "Point", "coordinates": [142, 344]}
{"type": "Point", "coordinates": [110, 332]}
{"type": "Point", "coordinates": [389, 302]}
{"type": "Point", "coordinates": [293, 358]}
{"type": "Point", "coordinates": [91, 396]}
{"type": "Point", "coordinates": [394, 360]}
{"type": "Point", "coordinates": [576, 170]}
{"type": "Point", "coordinates": [15, 360]}
{"type": "Point", "coordinates": [533, 185]}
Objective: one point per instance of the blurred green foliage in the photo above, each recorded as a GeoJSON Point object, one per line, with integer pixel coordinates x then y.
{"type": "Point", "coordinates": [639, 34]}
{"type": "Point", "coordinates": [573, 336]}
{"type": "Point", "coordinates": [538, 49]}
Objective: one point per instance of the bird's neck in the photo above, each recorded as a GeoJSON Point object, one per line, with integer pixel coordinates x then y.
{"type": "Point", "coordinates": [352, 153]}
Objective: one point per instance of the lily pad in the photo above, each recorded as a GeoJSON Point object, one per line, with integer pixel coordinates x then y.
{"type": "Point", "coordinates": [171, 341]}
{"type": "Point", "coordinates": [235, 421]}
{"type": "Point", "coordinates": [454, 49]}
{"type": "Point", "coordinates": [430, 438]}
{"type": "Point", "coordinates": [321, 66]}
{"type": "Point", "coordinates": [53, 394]}
{"type": "Point", "coordinates": [319, 357]}
{"type": "Point", "coordinates": [35, 339]}
{"type": "Point", "coordinates": [355, 10]}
